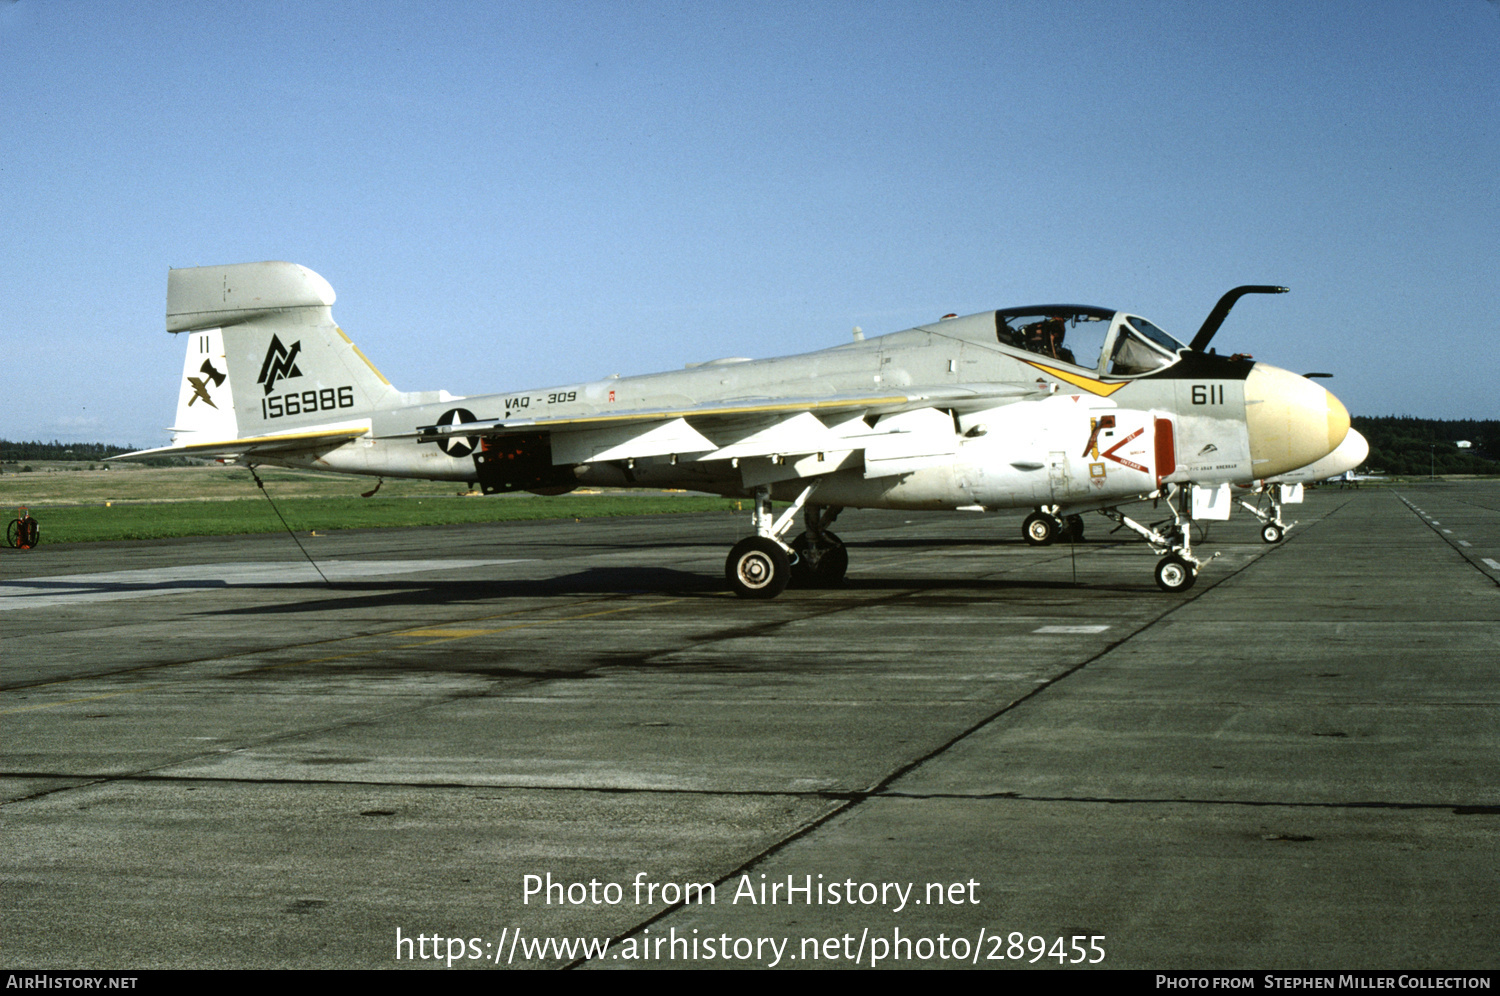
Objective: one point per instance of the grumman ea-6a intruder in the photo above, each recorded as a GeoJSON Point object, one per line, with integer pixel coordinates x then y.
{"type": "Point", "coordinates": [1061, 408]}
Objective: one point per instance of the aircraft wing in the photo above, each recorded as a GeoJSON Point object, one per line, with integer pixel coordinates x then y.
{"type": "Point", "coordinates": [767, 433]}
{"type": "Point", "coordinates": [975, 395]}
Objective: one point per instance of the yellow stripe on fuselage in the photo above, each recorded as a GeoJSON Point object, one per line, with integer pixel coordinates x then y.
{"type": "Point", "coordinates": [1089, 384]}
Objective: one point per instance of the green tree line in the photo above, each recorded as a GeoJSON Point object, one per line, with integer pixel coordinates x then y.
{"type": "Point", "coordinates": [11, 451]}
{"type": "Point", "coordinates": [1400, 444]}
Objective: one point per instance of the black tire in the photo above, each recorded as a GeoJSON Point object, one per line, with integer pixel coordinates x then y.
{"type": "Point", "coordinates": [11, 533]}
{"type": "Point", "coordinates": [1040, 529]}
{"type": "Point", "coordinates": [1271, 533]}
{"type": "Point", "coordinates": [824, 567]}
{"type": "Point", "coordinates": [1173, 574]}
{"type": "Point", "coordinates": [758, 568]}
{"type": "Point", "coordinates": [1074, 528]}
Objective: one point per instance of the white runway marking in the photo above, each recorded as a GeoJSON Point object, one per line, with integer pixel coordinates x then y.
{"type": "Point", "coordinates": [1071, 629]}
{"type": "Point", "coordinates": [1491, 563]}
{"type": "Point", "coordinates": [72, 589]}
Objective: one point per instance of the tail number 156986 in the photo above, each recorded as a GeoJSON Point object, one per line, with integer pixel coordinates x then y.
{"type": "Point", "coordinates": [306, 402]}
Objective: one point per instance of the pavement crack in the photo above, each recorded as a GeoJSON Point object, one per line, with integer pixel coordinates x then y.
{"type": "Point", "coordinates": [1458, 809]}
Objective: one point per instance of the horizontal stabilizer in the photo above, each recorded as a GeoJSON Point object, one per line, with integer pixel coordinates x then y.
{"type": "Point", "coordinates": [282, 442]}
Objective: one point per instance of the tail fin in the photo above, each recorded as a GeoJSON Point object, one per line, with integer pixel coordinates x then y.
{"type": "Point", "coordinates": [265, 355]}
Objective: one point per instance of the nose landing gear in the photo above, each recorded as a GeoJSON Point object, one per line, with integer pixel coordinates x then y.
{"type": "Point", "coordinates": [1272, 528]}
{"type": "Point", "coordinates": [1178, 570]}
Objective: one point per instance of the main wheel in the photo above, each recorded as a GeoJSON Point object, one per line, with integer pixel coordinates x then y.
{"type": "Point", "coordinates": [1175, 574]}
{"type": "Point", "coordinates": [758, 568]}
{"type": "Point", "coordinates": [819, 565]}
{"type": "Point", "coordinates": [1040, 529]}
{"type": "Point", "coordinates": [1271, 533]}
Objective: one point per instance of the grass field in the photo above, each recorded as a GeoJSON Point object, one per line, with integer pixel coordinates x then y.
{"type": "Point", "coordinates": [79, 506]}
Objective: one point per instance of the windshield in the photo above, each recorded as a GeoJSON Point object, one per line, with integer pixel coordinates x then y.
{"type": "Point", "coordinates": [1155, 334]}
{"type": "Point", "coordinates": [1141, 347]}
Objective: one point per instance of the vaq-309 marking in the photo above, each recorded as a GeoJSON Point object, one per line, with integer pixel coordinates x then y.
{"type": "Point", "coordinates": [1060, 408]}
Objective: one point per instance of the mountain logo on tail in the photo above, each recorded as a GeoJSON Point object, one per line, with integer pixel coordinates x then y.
{"type": "Point", "coordinates": [279, 364]}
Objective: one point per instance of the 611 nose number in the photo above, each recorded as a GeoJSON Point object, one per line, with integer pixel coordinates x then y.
{"type": "Point", "coordinates": [1208, 394]}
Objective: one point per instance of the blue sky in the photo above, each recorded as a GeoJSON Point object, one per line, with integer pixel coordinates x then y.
{"type": "Point", "coordinates": [511, 195]}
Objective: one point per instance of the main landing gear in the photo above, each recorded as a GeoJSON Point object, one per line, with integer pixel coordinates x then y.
{"type": "Point", "coordinates": [1045, 527]}
{"type": "Point", "coordinates": [1179, 568]}
{"type": "Point", "coordinates": [762, 566]}
{"type": "Point", "coordinates": [1272, 529]}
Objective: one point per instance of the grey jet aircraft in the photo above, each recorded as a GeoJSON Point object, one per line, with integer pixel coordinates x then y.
{"type": "Point", "coordinates": [1059, 408]}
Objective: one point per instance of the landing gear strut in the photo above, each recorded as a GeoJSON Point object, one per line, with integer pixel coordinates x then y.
{"type": "Point", "coordinates": [1179, 568]}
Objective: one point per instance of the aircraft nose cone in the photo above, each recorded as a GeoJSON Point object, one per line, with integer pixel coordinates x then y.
{"type": "Point", "coordinates": [1292, 421]}
{"type": "Point", "coordinates": [1355, 448]}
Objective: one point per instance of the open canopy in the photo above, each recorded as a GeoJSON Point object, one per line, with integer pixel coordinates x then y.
{"type": "Point", "coordinates": [1094, 339]}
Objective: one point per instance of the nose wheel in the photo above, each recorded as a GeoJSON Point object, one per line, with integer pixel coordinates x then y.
{"type": "Point", "coordinates": [1174, 574]}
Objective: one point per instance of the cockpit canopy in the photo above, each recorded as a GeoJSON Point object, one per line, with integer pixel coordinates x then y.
{"type": "Point", "coordinates": [1095, 339]}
